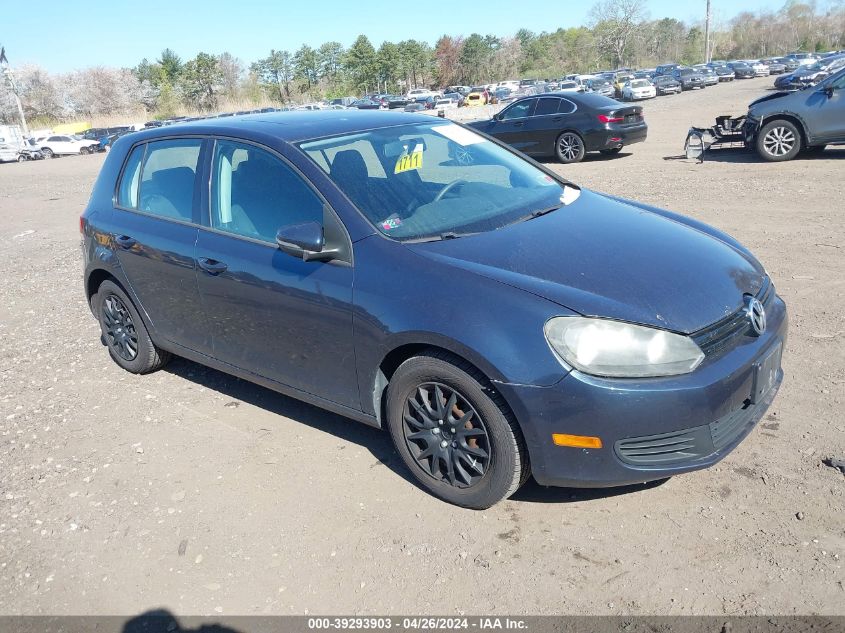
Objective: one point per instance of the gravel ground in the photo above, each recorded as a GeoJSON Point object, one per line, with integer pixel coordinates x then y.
{"type": "Point", "coordinates": [194, 491]}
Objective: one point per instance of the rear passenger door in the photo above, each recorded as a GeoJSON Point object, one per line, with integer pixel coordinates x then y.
{"type": "Point", "coordinates": [155, 218]}
{"type": "Point", "coordinates": [272, 314]}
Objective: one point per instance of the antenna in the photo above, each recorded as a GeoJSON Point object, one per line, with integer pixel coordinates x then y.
{"type": "Point", "coordinates": [10, 79]}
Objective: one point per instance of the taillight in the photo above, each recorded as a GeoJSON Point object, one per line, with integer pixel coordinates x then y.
{"type": "Point", "coordinates": [82, 224]}
{"type": "Point", "coordinates": [611, 119]}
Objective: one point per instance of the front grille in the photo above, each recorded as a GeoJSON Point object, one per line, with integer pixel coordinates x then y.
{"type": "Point", "coordinates": [687, 445]}
{"type": "Point", "coordinates": [722, 334]}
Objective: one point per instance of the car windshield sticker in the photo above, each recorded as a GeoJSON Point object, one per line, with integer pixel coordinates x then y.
{"type": "Point", "coordinates": [458, 134]}
{"type": "Point", "coordinates": [407, 162]}
{"type": "Point", "coordinates": [391, 223]}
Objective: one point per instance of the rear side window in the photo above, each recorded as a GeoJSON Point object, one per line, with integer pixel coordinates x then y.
{"type": "Point", "coordinates": [547, 106]}
{"type": "Point", "coordinates": [167, 178]}
{"type": "Point", "coordinates": [254, 193]}
{"type": "Point", "coordinates": [566, 107]}
{"type": "Point", "coordinates": [127, 192]}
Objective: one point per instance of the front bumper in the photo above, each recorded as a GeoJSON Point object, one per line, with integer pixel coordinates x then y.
{"type": "Point", "coordinates": [694, 420]}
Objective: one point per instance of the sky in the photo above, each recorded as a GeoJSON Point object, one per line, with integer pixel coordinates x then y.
{"type": "Point", "coordinates": [63, 35]}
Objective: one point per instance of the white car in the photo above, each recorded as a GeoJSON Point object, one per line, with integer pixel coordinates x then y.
{"type": "Point", "coordinates": [636, 89]}
{"type": "Point", "coordinates": [760, 69]}
{"type": "Point", "coordinates": [64, 145]}
{"type": "Point", "coordinates": [421, 93]}
{"type": "Point", "coordinates": [570, 86]}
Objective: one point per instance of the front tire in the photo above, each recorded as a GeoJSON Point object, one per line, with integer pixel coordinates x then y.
{"type": "Point", "coordinates": [454, 432]}
{"type": "Point", "coordinates": [84, 150]}
{"type": "Point", "coordinates": [47, 152]}
{"type": "Point", "coordinates": [569, 148]}
{"type": "Point", "coordinates": [778, 140]}
{"type": "Point", "coordinates": [124, 333]}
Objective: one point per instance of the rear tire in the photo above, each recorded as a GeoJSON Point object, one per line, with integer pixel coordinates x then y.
{"type": "Point", "coordinates": [478, 441]}
{"type": "Point", "coordinates": [778, 140]}
{"type": "Point", "coordinates": [124, 333]}
{"type": "Point", "coordinates": [569, 148]}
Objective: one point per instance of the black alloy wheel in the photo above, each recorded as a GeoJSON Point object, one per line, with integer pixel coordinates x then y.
{"type": "Point", "coordinates": [120, 333]}
{"type": "Point", "coordinates": [123, 331]}
{"type": "Point", "coordinates": [445, 435]}
{"type": "Point", "coordinates": [569, 148]}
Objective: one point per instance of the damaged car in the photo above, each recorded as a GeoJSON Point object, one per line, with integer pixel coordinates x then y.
{"type": "Point", "coordinates": [781, 125]}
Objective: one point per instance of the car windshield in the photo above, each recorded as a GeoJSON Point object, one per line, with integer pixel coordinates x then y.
{"type": "Point", "coordinates": [687, 71]}
{"type": "Point", "coordinates": [640, 83]}
{"type": "Point", "coordinates": [435, 180]}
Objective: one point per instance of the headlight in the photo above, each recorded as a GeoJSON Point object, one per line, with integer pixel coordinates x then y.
{"type": "Point", "coordinates": [622, 350]}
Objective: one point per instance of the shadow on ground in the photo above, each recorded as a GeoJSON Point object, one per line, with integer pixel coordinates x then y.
{"type": "Point", "coordinates": [162, 621]}
{"type": "Point", "coordinates": [374, 440]}
{"type": "Point", "coordinates": [743, 155]}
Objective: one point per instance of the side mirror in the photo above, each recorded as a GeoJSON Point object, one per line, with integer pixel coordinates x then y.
{"type": "Point", "coordinates": [304, 240]}
{"type": "Point", "coordinates": [828, 90]}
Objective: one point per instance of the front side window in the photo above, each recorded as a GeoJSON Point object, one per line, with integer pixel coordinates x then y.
{"type": "Point", "coordinates": [254, 193]}
{"type": "Point", "coordinates": [519, 110]}
{"type": "Point", "coordinates": [167, 178]}
{"type": "Point", "coordinates": [433, 181]}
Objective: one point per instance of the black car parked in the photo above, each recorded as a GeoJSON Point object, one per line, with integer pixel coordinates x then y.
{"type": "Point", "coordinates": [742, 70]}
{"type": "Point", "coordinates": [689, 78]}
{"type": "Point", "coordinates": [567, 126]}
{"type": "Point", "coordinates": [666, 85]}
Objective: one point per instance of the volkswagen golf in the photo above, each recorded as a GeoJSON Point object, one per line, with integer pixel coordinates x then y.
{"type": "Point", "coordinates": [422, 277]}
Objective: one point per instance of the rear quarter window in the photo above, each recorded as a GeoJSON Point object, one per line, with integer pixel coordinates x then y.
{"type": "Point", "coordinates": [130, 180]}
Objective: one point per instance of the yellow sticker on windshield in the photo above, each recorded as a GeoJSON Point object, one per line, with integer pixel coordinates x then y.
{"type": "Point", "coordinates": [407, 162]}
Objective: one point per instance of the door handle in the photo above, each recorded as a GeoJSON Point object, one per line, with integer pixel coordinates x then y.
{"type": "Point", "coordinates": [124, 241]}
{"type": "Point", "coordinates": [212, 266]}
{"type": "Point", "coordinates": [517, 124]}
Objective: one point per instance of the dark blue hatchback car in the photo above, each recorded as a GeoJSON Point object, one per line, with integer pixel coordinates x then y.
{"type": "Point", "coordinates": [417, 275]}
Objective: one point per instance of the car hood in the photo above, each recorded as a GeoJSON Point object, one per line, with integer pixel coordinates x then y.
{"type": "Point", "coordinates": [604, 257]}
{"type": "Point", "coordinates": [775, 95]}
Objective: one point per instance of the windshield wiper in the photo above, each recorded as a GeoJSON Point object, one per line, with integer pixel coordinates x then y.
{"type": "Point", "coordinates": [446, 235]}
{"type": "Point", "coordinates": [539, 212]}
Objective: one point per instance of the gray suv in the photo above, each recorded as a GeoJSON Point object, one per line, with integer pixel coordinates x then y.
{"type": "Point", "coordinates": [783, 124]}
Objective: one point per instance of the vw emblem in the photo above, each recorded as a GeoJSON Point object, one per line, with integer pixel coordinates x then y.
{"type": "Point", "coordinates": [757, 315]}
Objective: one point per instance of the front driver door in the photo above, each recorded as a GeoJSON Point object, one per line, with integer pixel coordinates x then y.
{"type": "Point", "coordinates": [272, 314]}
{"type": "Point", "coordinates": [510, 126]}
{"type": "Point", "coordinates": [828, 121]}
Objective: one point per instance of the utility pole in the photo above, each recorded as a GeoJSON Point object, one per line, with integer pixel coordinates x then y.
{"type": "Point", "coordinates": [10, 78]}
{"type": "Point", "coordinates": [707, 52]}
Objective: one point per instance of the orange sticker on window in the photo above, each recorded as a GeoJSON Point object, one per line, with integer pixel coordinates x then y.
{"type": "Point", "coordinates": [408, 162]}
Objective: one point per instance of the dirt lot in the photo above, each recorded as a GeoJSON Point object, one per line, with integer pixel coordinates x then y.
{"type": "Point", "coordinates": [194, 491]}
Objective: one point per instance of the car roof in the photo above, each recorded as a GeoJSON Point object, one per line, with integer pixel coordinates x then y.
{"type": "Point", "coordinates": [291, 126]}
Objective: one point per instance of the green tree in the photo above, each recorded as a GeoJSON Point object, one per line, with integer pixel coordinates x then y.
{"type": "Point", "coordinates": [201, 79]}
{"type": "Point", "coordinates": [389, 63]}
{"type": "Point", "coordinates": [171, 63]}
{"type": "Point", "coordinates": [330, 59]}
{"type": "Point", "coordinates": [361, 64]}
{"type": "Point", "coordinates": [306, 66]}
{"type": "Point", "coordinates": [277, 70]}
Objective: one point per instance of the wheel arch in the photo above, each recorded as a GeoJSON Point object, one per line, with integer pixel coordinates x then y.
{"type": "Point", "coordinates": [796, 120]}
{"type": "Point", "coordinates": [399, 354]}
